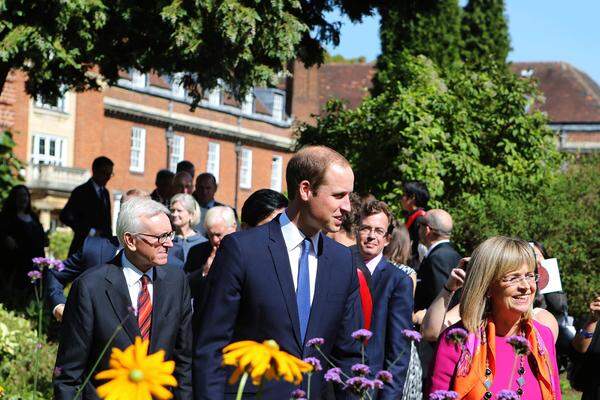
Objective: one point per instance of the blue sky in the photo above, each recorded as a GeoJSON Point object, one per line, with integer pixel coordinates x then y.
{"type": "Point", "coordinates": [548, 30]}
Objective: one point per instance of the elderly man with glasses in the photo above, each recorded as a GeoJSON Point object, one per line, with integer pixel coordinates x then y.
{"type": "Point", "coordinates": [134, 290]}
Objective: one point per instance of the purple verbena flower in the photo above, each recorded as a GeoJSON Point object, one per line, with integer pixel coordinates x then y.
{"type": "Point", "coordinates": [333, 375]}
{"type": "Point", "coordinates": [443, 395]}
{"type": "Point", "coordinates": [507, 395]}
{"type": "Point", "coordinates": [39, 260]}
{"type": "Point", "coordinates": [519, 343]}
{"type": "Point", "coordinates": [377, 384]}
{"type": "Point", "coordinates": [358, 385]}
{"type": "Point", "coordinates": [34, 275]}
{"type": "Point", "coordinates": [38, 346]}
{"type": "Point", "coordinates": [58, 265]}
{"type": "Point", "coordinates": [57, 371]}
{"type": "Point", "coordinates": [384, 376]}
{"type": "Point", "coordinates": [411, 335]}
{"type": "Point", "coordinates": [457, 335]}
{"type": "Point", "coordinates": [315, 342]}
{"type": "Point", "coordinates": [361, 369]}
{"type": "Point", "coordinates": [314, 362]}
{"type": "Point", "coordinates": [299, 394]}
{"type": "Point", "coordinates": [362, 335]}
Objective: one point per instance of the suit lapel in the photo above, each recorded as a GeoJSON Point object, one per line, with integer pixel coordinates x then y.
{"type": "Point", "coordinates": [321, 289]}
{"type": "Point", "coordinates": [380, 272]}
{"type": "Point", "coordinates": [118, 295]}
{"type": "Point", "coordinates": [159, 298]}
{"type": "Point", "coordinates": [281, 262]}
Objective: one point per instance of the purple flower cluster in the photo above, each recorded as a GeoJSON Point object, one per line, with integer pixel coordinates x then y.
{"type": "Point", "coordinates": [47, 262]}
{"type": "Point", "coordinates": [457, 335]}
{"type": "Point", "coordinates": [411, 335]}
{"type": "Point", "coordinates": [315, 342]}
{"type": "Point", "coordinates": [314, 362]}
{"type": "Point", "coordinates": [384, 376]}
{"type": "Point", "coordinates": [34, 275]}
{"type": "Point", "coordinates": [519, 343]}
{"type": "Point", "coordinates": [361, 369]}
{"type": "Point", "coordinates": [507, 395]}
{"type": "Point", "coordinates": [333, 375]}
{"type": "Point", "coordinates": [443, 395]}
{"type": "Point", "coordinates": [362, 335]}
{"type": "Point", "coordinates": [359, 385]}
{"type": "Point", "coordinates": [299, 394]}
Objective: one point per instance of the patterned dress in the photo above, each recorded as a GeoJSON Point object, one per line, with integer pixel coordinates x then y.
{"type": "Point", "coordinates": [413, 385]}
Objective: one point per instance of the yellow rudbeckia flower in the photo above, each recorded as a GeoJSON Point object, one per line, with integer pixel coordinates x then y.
{"type": "Point", "coordinates": [263, 360]}
{"type": "Point", "coordinates": [135, 375]}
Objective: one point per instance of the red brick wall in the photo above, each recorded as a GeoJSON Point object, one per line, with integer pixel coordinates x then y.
{"type": "Point", "coordinates": [14, 110]}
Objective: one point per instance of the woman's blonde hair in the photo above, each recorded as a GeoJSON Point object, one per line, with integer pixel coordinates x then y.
{"type": "Point", "coordinates": [190, 204]}
{"type": "Point", "coordinates": [493, 259]}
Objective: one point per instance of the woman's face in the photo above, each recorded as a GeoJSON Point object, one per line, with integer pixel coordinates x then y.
{"type": "Point", "coordinates": [513, 294]}
{"type": "Point", "coordinates": [21, 199]}
{"type": "Point", "coordinates": [181, 217]}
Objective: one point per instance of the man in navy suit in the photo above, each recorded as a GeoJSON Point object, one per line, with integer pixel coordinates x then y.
{"type": "Point", "coordinates": [87, 211]}
{"type": "Point", "coordinates": [285, 281]}
{"type": "Point", "coordinates": [392, 291]}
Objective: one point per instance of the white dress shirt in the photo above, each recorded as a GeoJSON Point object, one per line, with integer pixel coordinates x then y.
{"type": "Point", "coordinates": [293, 242]}
{"type": "Point", "coordinates": [133, 278]}
{"type": "Point", "coordinates": [434, 245]}
{"type": "Point", "coordinates": [372, 263]}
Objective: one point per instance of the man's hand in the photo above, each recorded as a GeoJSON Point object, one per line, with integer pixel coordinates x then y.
{"type": "Point", "coordinates": [209, 261]}
{"type": "Point", "coordinates": [58, 312]}
{"type": "Point", "coordinates": [418, 317]}
{"type": "Point", "coordinates": [595, 310]}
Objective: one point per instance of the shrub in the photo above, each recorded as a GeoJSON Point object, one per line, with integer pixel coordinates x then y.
{"type": "Point", "coordinates": [563, 214]}
{"type": "Point", "coordinates": [18, 344]}
{"type": "Point", "coordinates": [60, 240]}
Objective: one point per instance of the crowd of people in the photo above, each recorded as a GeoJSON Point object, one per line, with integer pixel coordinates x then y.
{"type": "Point", "coordinates": [186, 274]}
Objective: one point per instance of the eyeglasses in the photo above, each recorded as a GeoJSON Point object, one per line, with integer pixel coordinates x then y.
{"type": "Point", "coordinates": [366, 230]}
{"type": "Point", "coordinates": [160, 239]}
{"type": "Point", "coordinates": [516, 279]}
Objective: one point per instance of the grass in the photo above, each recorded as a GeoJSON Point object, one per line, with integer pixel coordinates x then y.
{"type": "Point", "coordinates": [567, 392]}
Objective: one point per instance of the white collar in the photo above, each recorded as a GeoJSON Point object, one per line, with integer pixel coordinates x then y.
{"type": "Point", "coordinates": [132, 273]}
{"type": "Point", "coordinates": [292, 236]}
{"type": "Point", "coordinates": [435, 244]}
{"type": "Point", "coordinates": [374, 262]}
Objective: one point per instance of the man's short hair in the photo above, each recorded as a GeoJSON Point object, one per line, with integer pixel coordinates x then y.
{"type": "Point", "coordinates": [220, 212]}
{"type": "Point", "coordinates": [186, 166]}
{"type": "Point", "coordinates": [101, 162]}
{"type": "Point", "coordinates": [417, 190]}
{"type": "Point", "coordinates": [163, 175]}
{"type": "Point", "coordinates": [351, 220]}
{"type": "Point", "coordinates": [439, 221]}
{"type": "Point", "coordinates": [133, 210]}
{"type": "Point", "coordinates": [310, 164]}
{"type": "Point", "coordinates": [375, 207]}
{"type": "Point", "coordinates": [206, 175]}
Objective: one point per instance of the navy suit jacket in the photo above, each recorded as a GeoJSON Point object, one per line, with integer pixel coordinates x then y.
{"type": "Point", "coordinates": [96, 250]}
{"type": "Point", "coordinates": [433, 274]}
{"type": "Point", "coordinates": [392, 291]}
{"type": "Point", "coordinates": [98, 303]}
{"type": "Point", "coordinates": [252, 297]}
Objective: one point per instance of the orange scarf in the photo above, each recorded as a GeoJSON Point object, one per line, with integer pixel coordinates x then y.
{"type": "Point", "coordinates": [470, 383]}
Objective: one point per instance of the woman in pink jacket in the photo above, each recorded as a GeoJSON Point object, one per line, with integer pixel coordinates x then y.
{"type": "Point", "coordinates": [497, 350]}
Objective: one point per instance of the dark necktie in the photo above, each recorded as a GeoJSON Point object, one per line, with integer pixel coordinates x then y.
{"type": "Point", "coordinates": [144, 309]}
{"type": "Point", "coordinates": [303, 289]}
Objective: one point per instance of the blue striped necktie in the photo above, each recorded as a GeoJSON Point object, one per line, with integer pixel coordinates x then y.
{"type": "Point", "coordinates": [303, 289]}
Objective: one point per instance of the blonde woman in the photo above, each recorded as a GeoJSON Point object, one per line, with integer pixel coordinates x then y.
{"type": "Point", "coordinates": [186, 214]}
{"type": "Point", "coordinates": [479, 357]}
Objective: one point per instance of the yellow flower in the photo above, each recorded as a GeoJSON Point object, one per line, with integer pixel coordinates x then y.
{"type": "Point", "coordinates": [135, 375]}
{"type": "Point", "coordinates": [1, 391]}
{"type": "Point", "coordinates": [263, 359]}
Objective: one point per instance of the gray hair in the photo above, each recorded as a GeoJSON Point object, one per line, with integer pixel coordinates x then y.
{"type": "Point", "coordinates": [220, 212]}
{"type": "Point", "coordinates": [133, 210]}
{"type": "Point", "coordinates": [190, 204]}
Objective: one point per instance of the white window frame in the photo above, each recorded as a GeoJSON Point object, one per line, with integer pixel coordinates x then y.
{"type": "Point", "coordinates": [177, 151]}
{"type": "Point", "coordinates": [245, 168]}
{"type": "Point", "coordinates": [59, 158]}
{"type": "Point", "coordinates": [177, 89]}
{"type": "Point", "coordinates": [213, 159]}
{"type": "Point", "coordinates": [278, 106]}
{"type": "Point", "coordinates": [138, 80]}
{"type": "Point", "coordinates": [247, 106]}
{"type": "Point", "coordinates": [214, 96]}
{"type": "Point", "coordinates": [61, 104]}
{"type": "Point", "coordinates": [138, 149]}
{"type": "Point", "coordinates": [277, 173]}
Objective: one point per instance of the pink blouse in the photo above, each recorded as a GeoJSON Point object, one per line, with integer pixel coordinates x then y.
{"type": "Point", "coordinates": [447, 356]}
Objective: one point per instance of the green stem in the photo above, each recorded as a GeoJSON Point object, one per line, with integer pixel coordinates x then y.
{"type": "Point", "coordinates": [106, 346]}
{"type": "Point", "coordinates": [240, 390]}
{"type": "Point", "coordinates": [329, 361]}
{"type": "Point", "coordinates": [40, 310]}
{"type": "Point", "coordinates": [362, 352]}
{"type": "Point", "coordinates": [308, 386]}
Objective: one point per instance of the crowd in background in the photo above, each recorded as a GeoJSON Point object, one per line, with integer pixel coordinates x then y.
{"type": "Point", "coordinates": [406, 271]}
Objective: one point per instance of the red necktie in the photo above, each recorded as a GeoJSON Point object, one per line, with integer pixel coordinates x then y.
{"type": "Point", "coordinates": [144, 309]}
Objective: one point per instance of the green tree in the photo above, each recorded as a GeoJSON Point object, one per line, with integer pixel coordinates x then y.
{"type": "Point", "coordinates": [419, 27]}
{"type": "Point", "coordinates": [9, 165]}
{"type": "Point", "coordinates": [463, 134]}
{"type": "Point", "coordinates": [485, 37]}
{"type": "Point", "coordinates": [71, 44]}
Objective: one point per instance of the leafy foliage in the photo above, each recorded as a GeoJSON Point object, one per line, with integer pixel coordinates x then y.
{"type": "Point", "coordinates": [18, 345]}
{"type": "Point", "coordinates": [9, 165]}
{"type": "Point", "coordinates": [562, 212]}
{"type": "Point", "coordinates": [484, 33]}
{"type": "Point", "coordinates": [60, 240]}
{"type": "Point", "coordinates": [463, 134]}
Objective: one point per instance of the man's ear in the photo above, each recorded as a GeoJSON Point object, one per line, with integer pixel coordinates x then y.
{"type": "Point", "coordinates": [129, 241]}
{"type": "Point", "coordinates": [304, 190]}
